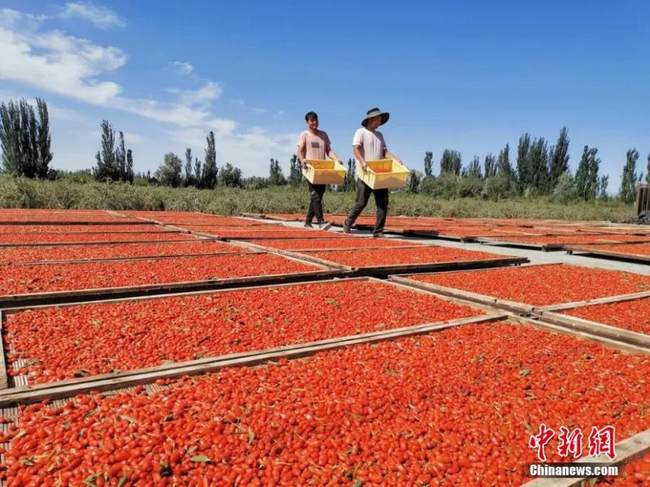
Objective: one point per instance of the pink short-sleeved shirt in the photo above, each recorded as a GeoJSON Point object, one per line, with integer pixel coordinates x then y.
{"type": "Point", "coordinates": [317, 144]}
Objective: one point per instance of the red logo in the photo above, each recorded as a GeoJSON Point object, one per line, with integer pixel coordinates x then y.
{"type": "Point", "coordinates": [601, 441]}
{"type": "Point", "coordinates": [540, 440]}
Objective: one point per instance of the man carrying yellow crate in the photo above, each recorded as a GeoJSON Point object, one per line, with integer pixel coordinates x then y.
{"type": "Point", "coordinates": [368, 145]}
{"type": "Point", "coordinates": [314, 144]}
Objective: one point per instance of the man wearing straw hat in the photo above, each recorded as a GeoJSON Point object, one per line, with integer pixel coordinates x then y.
{"type": "Point", "coordinates": [314, 144]}
{"type": "Point", "coordinates": [368, 145]}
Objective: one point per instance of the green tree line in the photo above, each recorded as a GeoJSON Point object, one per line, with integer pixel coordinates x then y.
{"type": "Point", "coordinates": [538, 168]}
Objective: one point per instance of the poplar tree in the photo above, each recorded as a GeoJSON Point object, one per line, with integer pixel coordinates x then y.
{"type": "Point", "coordinates": [450, 163]}
{"type": "Point", "coordinates": [428, 164]}
{"type": "Point", "coordinates": [489, 166]}
{"type": "Point", "coordinates": [25, 138]}
{"type": "Point", "coordinates": [629, 179]}
{"type": "Point", "coordinates": [504, 168]}
{"type": "Point", "coordinates": [523, 162]}
{"type": "Point", "coordinates": [559, 157]}
{"type": "Point", "coordinates": [209, 174]}
{"type": "Point", "coordinates": [189, 177]}
{"type": "Point", "coordinates": [474, 168]}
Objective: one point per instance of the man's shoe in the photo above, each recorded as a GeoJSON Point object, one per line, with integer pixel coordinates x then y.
{"type": "Point", "coordinates": [324, 225]}
{"type": "Point", "coordinates": [378, 235]}
{"type": "Point", "coordinates": [308, 225]}
{"type": "Point", "coordinates": [346, 228]}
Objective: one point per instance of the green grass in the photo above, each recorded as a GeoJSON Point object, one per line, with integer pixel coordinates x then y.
{"type": "Point", "coordinates": [64, 193]}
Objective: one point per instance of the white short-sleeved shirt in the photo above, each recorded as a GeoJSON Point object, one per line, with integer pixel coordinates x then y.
{"type": "Point", "coordinates": [316, 145]}
{"type": "Point", "coordinates": [373, 146]}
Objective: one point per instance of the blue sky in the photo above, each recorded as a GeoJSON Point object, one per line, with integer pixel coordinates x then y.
{"type": "Point", "coordinates": [469, 76]}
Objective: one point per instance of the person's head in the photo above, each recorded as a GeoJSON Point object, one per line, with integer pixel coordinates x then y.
{"type": "Point", "coordinates": [373, 123]}
{"type": "Point", "coordinates": [311, 119]}
{"type": "Point", "coordinates": [374, 118]}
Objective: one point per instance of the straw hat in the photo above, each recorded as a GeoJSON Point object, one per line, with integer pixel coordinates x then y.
{"type": "Point", "coordinates": [375, 112]}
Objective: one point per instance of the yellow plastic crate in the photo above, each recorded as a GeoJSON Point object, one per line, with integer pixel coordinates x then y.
{"type": "Point", "coordinates": [385, 174]}
{"type": "Point", "coordinates": [324, 172]}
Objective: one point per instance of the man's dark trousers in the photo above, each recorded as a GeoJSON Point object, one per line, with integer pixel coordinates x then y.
{"type": "Point", "coordinates": [363, 195]}
{"type": "Point", "coordinates": [316, 192]}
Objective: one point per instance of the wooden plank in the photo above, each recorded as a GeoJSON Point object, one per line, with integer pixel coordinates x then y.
{"type": "Point", "coordinates": [232, 240]}
{"type": "Point", "coordinates": [144, 376]}
{"type": "Point", "coordinates": [487, 308]}
{"type": "Point", "coordinates": [4, 381]}
{"type": "Point", "coordinates": [427, 233]}
{"type": "Point", "coordinates": [615, 231]}
{"type": "Point", "coordinates": [609, 253]}
{"type": "Point", "coordinates": [384, 270]}
{"type": "Point", "coordinates": [78, 296]}
{"type": "Point", "coordinates": [301, 257]}
{"type": "Point", "coordinates": [527, 264]}
{"type": "Point", "coordinates": [466, 295]}
{"type": "Point", "coordinates": [435, 234]}
{"type": "Point", "coordinates": [597, 328]}
{"type": "Point", "coordinates": [626, 451]}
{"type": "Point", "coordinates": [504, 243]}
{"type": "Point", "coordinates": [369, 336]}
{"type": "Point", "coordinates": [177, 228]}
{"type": "Point", "coordinates": [91, 260]}
{"type": "Point", "coordinates": [305, 257]}
{"type": "Point", "coordinates": [345, 249]}
{"type": "Point", "coordinates": [8, 311]}
{"type": "Point", "coordinates": [89, 231]}
{"type": "Point", "coordinates": [71, 222]}
{"type": "Point", "coordinates": [104, 242]}
{"type": "Point", "coordinates": [329, 235]}
{"type": "Point", "coordinates": [159, 229]}
{"type": "Point", "coordinates": [313, 249]}
{"type": "Point", "coordinates": [543, 324]}
{"type": "Point", "coordinates": [18, 380]}
{"type": "Point", "coordinates": [516, 306]}
{"type": "Point", "coordinates": [554, 246]}
{"type": "Point", "coordinates": [524, 245]}
{"type": "Point", "coordinates": [149, 220]}
{"type": "Point", "coordinates": [255, 215]}
{"type": "Point", "coordinates": [588, 302]}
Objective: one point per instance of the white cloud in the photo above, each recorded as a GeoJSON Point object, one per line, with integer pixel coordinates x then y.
{"type": "Point", "coordinates": [133, 138]}
{"type": "Point", "coordinates": [12, 18]}
{"type": "Point", "coordinates": [55, 61]}
{"type": "Point", "coordinates": [256, 110]}
{"type": "Point", "coordinates": [73, 67]}
{"type": "Point", "coordinates": [60, 113]}
{"type": "Point", "coordinates": [202, 96]}
{"type": "Point", "coordinates": [70, 66]}
{"type": "Point", "coordinates": [182, 67]}
{"type": "Point", "coordinates": [98, 15]}
{"type": "Point", "coordinates": [249, 149]}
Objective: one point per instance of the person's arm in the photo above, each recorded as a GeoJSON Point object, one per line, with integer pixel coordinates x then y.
{"type": "Point", "coordinates": [301, 151]}
{"type": "Point", "coordinates": [329, 152]}
{"type": "Point", "coordinates": [302, 154]}
{"type": "Point", "coordinates": [358, 154]}
{"type": "Point", "coordinates": [332, 155]}
{"type": "Point", "coordinates": [389, 155]}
